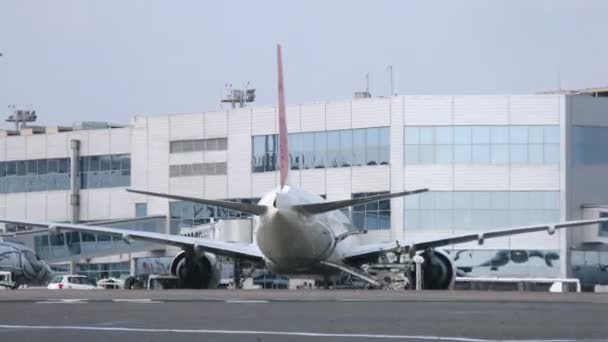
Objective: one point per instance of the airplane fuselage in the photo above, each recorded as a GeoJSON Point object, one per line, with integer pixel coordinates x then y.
{"type": "Point", "coordinates": [295, 243]}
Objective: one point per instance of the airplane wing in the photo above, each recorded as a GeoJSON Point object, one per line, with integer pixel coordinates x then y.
{"type": "Point", "coordinates": [377, 248]}
{"type": "Point", "coordinates": [323, 207]}
{"type": "Point", "coordinates": [247, 251]}
{"type": "Point", "coordinates": [243, 207]}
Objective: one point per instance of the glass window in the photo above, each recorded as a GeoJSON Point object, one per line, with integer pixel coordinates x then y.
{"type": "Point", "coordinates": [333, 149]}
{"type": "Point", "coordinates": [499, 135]}
{"type": "Point", "coordinates": [535, 134]}
{"type": "Point", "coordinates": [462, 154]}
{"type": "Point", "coordinates": [535, 153]}
{"type": "Point", "coordinates": [308, 150]}
{"type": "Point", "coordinates": [427, 154]}
{"type": "Point", "coordinates": [141, 209]}
{"type": "Point", "coordinates": [359, 147]}
{"type": "Point", "coordinates": [444, 135]}
{"type": "Point", "coordinates": [444, 154]}
{"type": "Point", "coordinates": [385, 147]}
{"type": "Point", "coordinates": [346, 147]}
{"type": "Point", "coordinates": [481, 135]}
{"type": "Point", "coordinates": [518, 135]}
{"type": "Point", "coordinates": [462, 135]}
{"type": "Point", "coordinates": [427, 135]}
{"type": "Point", "coordinates": [372, 149]}
{"type": "Point", "coordinates": [320, 149]}
{"type": "Point", "coordinates": [551, 135]}
{"type": "Point", "coordinates": [412, 155]}
{"type": "Point", "coordinates": [481, 154]}
{"type": "Point", "coordinates": [519, 154]}
{"type": "Point", "coordinates": [295, 151]}
{"type": "Point", "coordinates": [499, 154]}
{"type": "Point", "coordinates": [412, 135]}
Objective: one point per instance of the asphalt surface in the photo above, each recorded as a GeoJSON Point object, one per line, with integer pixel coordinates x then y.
{"type": "Point", "coordinates": [315, 315]}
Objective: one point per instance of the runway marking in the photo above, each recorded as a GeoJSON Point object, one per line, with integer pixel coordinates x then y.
{"type": "Point", "coordinates": [63, 301]}
{"type": "Point", "coordinates": [277, 333]}
{"type": "Point", "coordinates": [246, 301]}
{"type": "Point", "coordinates": [139, 301]}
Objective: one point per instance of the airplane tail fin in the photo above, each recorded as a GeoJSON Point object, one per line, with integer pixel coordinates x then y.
{"type": "Point", "coordinates": [283, 138]}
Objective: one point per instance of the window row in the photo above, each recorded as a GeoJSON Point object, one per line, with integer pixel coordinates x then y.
{"type": "Point", "coordinates": [481, 145]}
{"type": "Point", "coordinates": [187, 214]}
{"type": "Point", "coordinates": [543, 200]}
{"type": "Point", "coordinates": [589, 145]}
{"type": "Point", "coordinates": [198, 169]}
{"type": "Point", "coordinates": [372, 215]}
{"type": "Point", "coordinates": [480, 210]}
{"type": "Point", "coordinates": [54, 174]}
{"type": "Point", "coordinates": [213, 144]}
{"type": "Point", "coordinates": [328, 149]}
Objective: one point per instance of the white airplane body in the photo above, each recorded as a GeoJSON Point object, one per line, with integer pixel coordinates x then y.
{"type": "Point", "coordinates": [298, 232]}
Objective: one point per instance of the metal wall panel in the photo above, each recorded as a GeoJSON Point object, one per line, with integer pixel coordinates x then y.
{"type": "Point", "coordinates": [294, 122]}
{"type": "Point", "coordinates": [428, 110]}
{"type": "Point", "coordinates": [58, 204]}
{"type": "Point", "coordinates": [545, 177]}
{"type": "Point", "coordinates": [216, 124]}
{"type": "Point", "coordinates": [36, 146]}
{"type": "Point", "coordinates": [186, 158]}
{"type": "Point", "coordinates": [374, 112]}
{"type": "Point", "coordinates": [98, 142]}
{"type": "Point", "coordinates": [57, 145]}
{"type": "Point", "coordinates": [371, 178]}
{"type": "Point", "coordinates": [263, 121]}
{"type": "Point", "coordinates": [15, 148]}
{"type": "Point", "coordinates": [314, 181]}
{"type": "Point", "coordinates": [186, 126]}
{"type": "Point", "coordinates": [481, 110]}
{"type": "Point", "coordinates": [434, 177]}
{"type": "Point", "coordinates": [192, 186]}
{"type": "Point", "coordinates": [263, 182]}
{"type": "Point", "coordinates": [534, 109]}
{"type": "Point", "coordinates": [121, 203]}
{"type": "Point", "coordinates": [98, 204]}
{"type": "Point", "coordinates": [239, 153]}
{"type": "Point", "coordinates": [481, 177]}
{"type": "Point", "coordinates": [338, 115]}
{"type": "Point", "coordinates": [312, 117]}
{"type": "Point", "coordinates": [215, 187]}
{"type": "Point", "coordinates": [36, 206]}
{"type": "Point", "coordinates": [338, 183]}
{"type": "Point", "coordinates": [120, 140]}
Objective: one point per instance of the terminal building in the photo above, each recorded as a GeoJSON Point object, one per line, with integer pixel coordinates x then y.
{"type": "Point", "coordinates": [489, 161]}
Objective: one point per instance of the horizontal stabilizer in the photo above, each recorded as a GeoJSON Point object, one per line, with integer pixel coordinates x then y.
{"type": "Point", "coordinates": [318, 208]}
{"type": "Point", "coordinates": [242, 207]}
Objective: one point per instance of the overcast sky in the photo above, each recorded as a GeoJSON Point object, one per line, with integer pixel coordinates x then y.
{"type": "Point", "coordinates": [109, 60]}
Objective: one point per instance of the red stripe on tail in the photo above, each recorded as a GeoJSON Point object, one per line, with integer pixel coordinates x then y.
{"type": "Point", "coordinates": [283, 139]}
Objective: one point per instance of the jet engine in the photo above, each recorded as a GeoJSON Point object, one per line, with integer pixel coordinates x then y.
{"type": "Point", "coordinates": [438, 270]}
{"type": "Point", "coordinates": [195, 271]}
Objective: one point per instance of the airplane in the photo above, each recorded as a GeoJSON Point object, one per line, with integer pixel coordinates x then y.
{"type": "Point", "coordinates": [300, 233]}
{"type": "Point", "coordinates": [24, 264]}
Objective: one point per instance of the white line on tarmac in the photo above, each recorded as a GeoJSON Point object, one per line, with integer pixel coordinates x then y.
{"type": "Point", "coordinates": [139, 301]}
{"type": "Point", "coordinates": [63, 301]}
{"type": "Point", "coordinates": [246, 301]}
{"type": "Point", "coordinates": [276, 333]}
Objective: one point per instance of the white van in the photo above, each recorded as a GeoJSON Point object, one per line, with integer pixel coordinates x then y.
{"type": "Point", "coordinates": [72, 281]}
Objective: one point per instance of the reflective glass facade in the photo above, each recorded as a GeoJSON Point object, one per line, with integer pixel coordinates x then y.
{"type": "Point", "coordinates": [187, 214]}
{"type": "Point", "coordinates": [481, 145]}
{"type": "Point", "coordinates": [105, 270]}
{"type": "Point", "coordinates": [314, 150]}
{"type": "Point", "coordinates": [67, 245]}
{"type": "Point", "coordinates": [507, 263]}
{"type": "Point", "coordinates": [373, 215]}
{"type": "Point", "coordinates": [480, 210]}
{"type": "Point", "coordinates": [104, 171]}
{"type": "Point", "coordinates": [589, 145]}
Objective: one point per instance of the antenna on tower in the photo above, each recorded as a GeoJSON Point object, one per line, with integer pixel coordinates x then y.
{"type": "Point", "coordinates": [364, 94]}
{"type": "Point", "coordinates": [238, 96]}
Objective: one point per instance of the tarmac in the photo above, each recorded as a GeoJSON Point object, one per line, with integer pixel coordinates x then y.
{"type": "Point", "coordinates": [301, 315]}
